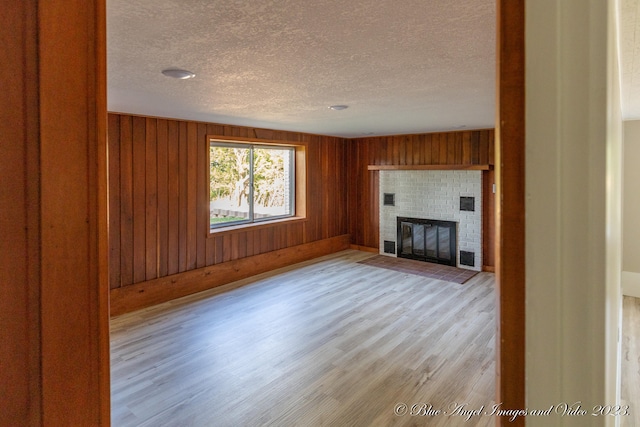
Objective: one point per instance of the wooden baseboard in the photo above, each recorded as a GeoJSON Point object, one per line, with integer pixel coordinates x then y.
{"type": "Point", "coordinates": [364, 248]}
{"type": "Point", "coordinates": [489, 268]}
{"type": "Point", "coordinates": [152, 292]}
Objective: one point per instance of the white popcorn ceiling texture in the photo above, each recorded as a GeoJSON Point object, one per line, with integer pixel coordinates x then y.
{"type": "Point", "coordinates": [402, 66]}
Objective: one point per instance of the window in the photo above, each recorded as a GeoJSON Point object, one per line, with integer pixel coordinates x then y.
{"type": "Point", "coordinates": [250, 183]}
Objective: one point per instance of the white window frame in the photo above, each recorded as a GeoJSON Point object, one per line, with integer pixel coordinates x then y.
{"type": "Point", "coordinates": [251, 146]}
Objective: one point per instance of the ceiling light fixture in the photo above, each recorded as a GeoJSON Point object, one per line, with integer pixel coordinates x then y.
{"type": "Point", "coordinates": [338, 107]}
{"type": "Point", "coordinates": [177, 73]}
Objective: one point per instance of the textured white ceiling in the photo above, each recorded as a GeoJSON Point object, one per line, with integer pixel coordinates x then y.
{"type": "Point", "coordinates": [629, 39]}
{"type": "Point", "coordinates": [402, 66]}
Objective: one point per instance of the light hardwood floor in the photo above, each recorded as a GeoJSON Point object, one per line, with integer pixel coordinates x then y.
{"type": "Point", "coordinates": [324, 343]}
{"type": "Point", "coordinates": [630, 394]}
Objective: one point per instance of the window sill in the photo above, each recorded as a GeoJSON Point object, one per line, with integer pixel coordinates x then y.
{"type": "Point", "coordinates": [221, 231]}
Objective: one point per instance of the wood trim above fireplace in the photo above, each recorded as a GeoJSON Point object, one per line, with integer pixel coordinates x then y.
{"type": "Point", "coordinates": [429, 167]}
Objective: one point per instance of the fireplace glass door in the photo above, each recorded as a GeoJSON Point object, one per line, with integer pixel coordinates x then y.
{"type": "Point", "coordinates": [427, 240]}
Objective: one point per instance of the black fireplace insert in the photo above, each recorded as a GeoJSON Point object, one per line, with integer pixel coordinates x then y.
{"type": "Point", "coordinates": [427, 240]}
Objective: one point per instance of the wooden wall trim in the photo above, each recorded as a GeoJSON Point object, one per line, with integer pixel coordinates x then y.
{"type": "Point", "coordinates": [429, 167]}
{"type": "Point", "coordinates": [364, 248]}
{"type": "Point", "coordinates": [20, 372]}
{"type": "Point", "coordinates": [510, 208]}
{"type": "Point", "coordinates": [74, 317]}
{"type": "Point", "coordinates": [145, 294]}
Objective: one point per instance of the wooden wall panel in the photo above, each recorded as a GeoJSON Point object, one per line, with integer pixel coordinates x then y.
{"type": "Point", "coordinates": [156, 291]}
{"type": "Point", "coordinates": [192, 187]}
{"type": "Point", "coordinates": [163, 198]}
{"type": "Point", "coordinates": [183, 197]}
{"type": "Point", "coordinates": [163, 192]}
{"type": "Point", "coordinates": [139, 199]}
{"type": "Point", "coordinates": [20, 371]}
{"type": "Point", "coordinates": [510, 218]}
{"type": "Point", "coordinates": [473, 147]}
{"type": "Point", "coordinates": [151, 200]}
{"type": "Point", "coordinates": [202, 192]}
{"type": "Point", "coordinates": [173, 188]}
{"type": "Point", "coordinates": [72, 208]}
{"type": "Point", "coordinates": [126, 200]}
{"type": "Point", "coordinates": [114, 202]}
{"type": "Point", "coordinates": [159, 171]}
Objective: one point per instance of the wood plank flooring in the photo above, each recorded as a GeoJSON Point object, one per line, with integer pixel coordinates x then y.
{"type": "Point", "coordinates": [329, 342]}
{"type": "Point", "coordinates": [630, 393]}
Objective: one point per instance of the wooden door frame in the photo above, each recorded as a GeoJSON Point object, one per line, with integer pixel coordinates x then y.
{"type": "Point", "coordinates": [510, 224]}
{"type": "Point", "coordinates": [74, 298]}
{"type": "Point", "coordinates": [71, 339]}
{"type": "Point", "coordinates": [54, 309]}
{"type": "Point", "coordinates": [510, 207]}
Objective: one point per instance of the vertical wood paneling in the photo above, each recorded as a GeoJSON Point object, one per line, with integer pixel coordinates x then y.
{"type": "Point", "coordinates": [126, 200]}
{"type": "Point", "coordinates": [484, 148]}
{"type": "Point", "coordinates": [492, 147]}
{"type": "Point", "coordinates": [192, 191]}
{"type": "Point", "coordinates": [114, 201]}
{"type": "Point", "coordinates": [226, 249]}
{"type": "Point", "coordinates": [314, 184]}
{"type": "Point", "coordinates": [211, 251]}
{"type": "Point", "coordinates": [417, 149]}
{"type": "Point", "coordinates": [435, 149]}
{"type": "Point", "coordinates": [249, 243]}
{"type": "Point", "coordinates": [163, 199]}
{"type": "Point", "coordinates": [20, 351]}
{"type": "Point", "coordinates": [510, 224]}
{"type": "Point", "coordinates": [466, 148]}
{"type": "Point", "coordinates": [344, 177]}
{"type": "Point", "coordinates": [451, 148]}
{"type": "Point", "coordinates": [151, 197]}
{"type": "Point", "coordinates": [173, 186]}
{"type": "Point", "coordinates": [182, 200]}
{"type": "Point", "coordinates": [219, 248]}
{"type": "Point", "coordinates": [351, 150]}
{"type": "Point", "coordinates": [202, 196]}
{"type": "Point", "coordinates": [426, 152]}
{"type": "Point", "coordinates": [264, 240]}
{"type": "Point", "coordinates": [73, 308]}
{"type": "Point", "coordinates": [235, 243]}
{"type": "Point", "coordinates": [475, 148]}
{"type": "Point", "coordinates": [444, 148]}
{"type": "Point", "coordinates": [139, 199]}
{"type": "Point", "coordinates": [160, 175]}
{"type": "Point", "coordinates": [324, 159]}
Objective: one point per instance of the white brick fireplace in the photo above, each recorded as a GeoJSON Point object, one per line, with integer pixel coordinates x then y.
{"type": "Point", "coordinates": [434, 194]}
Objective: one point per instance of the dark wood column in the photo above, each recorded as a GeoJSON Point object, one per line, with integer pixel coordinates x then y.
{"type": "Point", "coordinates": [54, 299]}
{"type": "Point", "coordinates": [510, 213]}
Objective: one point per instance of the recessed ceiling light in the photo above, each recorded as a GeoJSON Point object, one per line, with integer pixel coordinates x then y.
{"type": "Point", "coordinates": [177, 73]}
{"type": "Point", "coordinates": [339, 107]}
